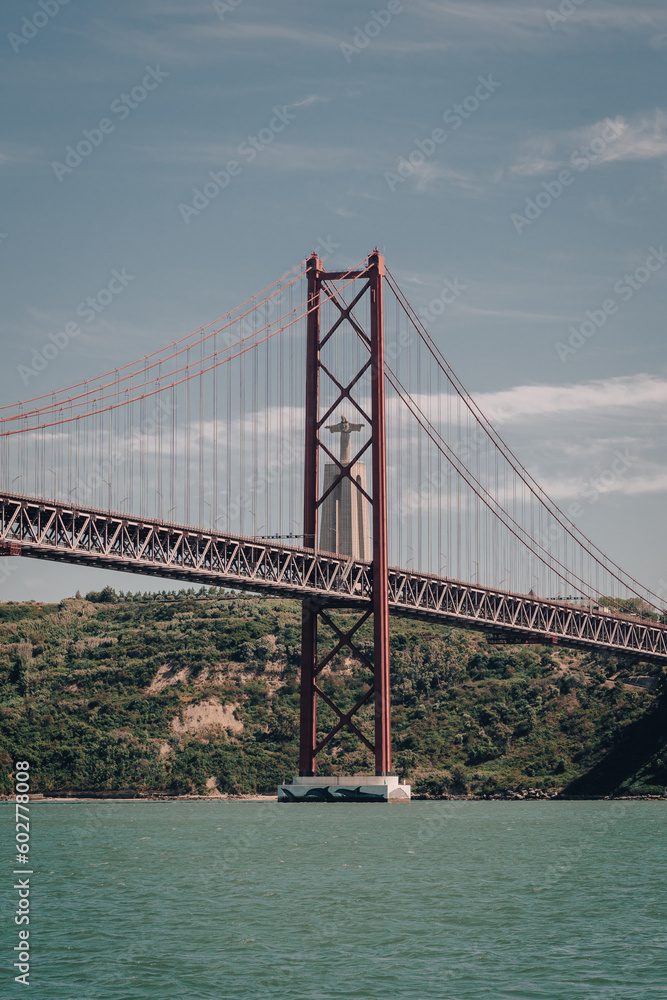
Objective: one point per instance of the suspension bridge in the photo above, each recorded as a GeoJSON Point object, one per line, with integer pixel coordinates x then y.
{"type": "Point", "coordinates": [214, 461]}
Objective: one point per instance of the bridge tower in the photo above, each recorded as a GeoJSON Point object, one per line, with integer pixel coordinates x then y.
{"type": "Point", "coordinates": [344, 478]}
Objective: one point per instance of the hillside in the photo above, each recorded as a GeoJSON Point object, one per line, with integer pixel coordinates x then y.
{"type": "Point", "coordinates": [199, 692]}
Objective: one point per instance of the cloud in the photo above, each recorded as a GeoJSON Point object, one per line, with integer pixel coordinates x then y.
{"type": "Point", "coordinates": [638, 392]}
{"type": "Point", "coordinates": [607, 434]}
{"type": "Point", "coordinates": [523, 315]}
{"type": "Point", "coordinates": [620, 18]}
{"type": "Point", "coordinates": [480, 23]}
{"type": "Point", "coordinates": [180, 33]}
{"type": "Point", "coordinates": [426, 174]}
{"type": "Point", "coordinates": [534, 163]}
{"type": "Point", "coordinates": [653, 482]}
{"type": "Point", "coordinates": [631, 484]}
{"type": "Point", "coordinates": [311, 99]}
{"type": "Point", "coordinates": [264, 30]}
{"type": "Point", "coordinates": [571, 436]}
{"type": "Point", "coordinates": [18, 154]}
{"type": "Point", "coordinates": [640, 138]}
{"type": "Point", "coordinates": [124, 39]}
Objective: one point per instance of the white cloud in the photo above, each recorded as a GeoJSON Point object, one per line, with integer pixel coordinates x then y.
{"type": "Point", "coordinates": [621, 18]}
{"type": "Point", "coordinates": [177, 32]}
{"type": "Point", "coordinates": [534, 164]}
{"type": "Point", "coordinates": [574, 436]}
{"type": "Point", "coordinates": [18, 154]}
{"type": "Point", "coordinates": [480, 23]}
{"type": "Point", "coordinates": [630, 484]}
{"type": "Point", "coordinates": [523, 315]}
{"type": "Point", "coordinates": [641, 138]}
{"type": "Point", "coordinates": [655, 482]}
{"type": "Point", "coordinates": [638, 392]}
{"type": "Point", "coordinates": [311, 99]}
{"type": "Point", "coordinates": [426, 174]}
{"type": "Point", "coordinates": [568, 436]}
{"type": "Point", "coordinates": [263, 30]}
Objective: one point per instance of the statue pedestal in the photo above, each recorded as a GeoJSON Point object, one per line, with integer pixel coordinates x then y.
{"type": "Point", "coordinates": [345, 520]}
{"type": "Point", "coordinates": [345, 788]}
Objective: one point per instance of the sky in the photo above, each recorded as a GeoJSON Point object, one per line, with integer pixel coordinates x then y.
{"type": "Point", "coordinates": [510, 159]}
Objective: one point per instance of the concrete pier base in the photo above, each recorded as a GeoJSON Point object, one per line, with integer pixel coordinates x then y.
{"type": "Point", "coordinates": [344, 788]}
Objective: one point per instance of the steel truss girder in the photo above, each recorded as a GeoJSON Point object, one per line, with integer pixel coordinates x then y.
{"type": "Point", "coordinates": [89, 536]}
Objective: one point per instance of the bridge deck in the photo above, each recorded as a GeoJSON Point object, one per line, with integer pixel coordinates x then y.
{"type": "Point", "coordinates": [93, 537]}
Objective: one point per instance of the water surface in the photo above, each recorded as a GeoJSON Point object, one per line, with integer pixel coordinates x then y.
{"type": "Point", "coordinates": [238, 900]}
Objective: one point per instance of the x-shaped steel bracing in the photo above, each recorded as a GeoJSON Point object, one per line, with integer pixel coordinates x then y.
{"type": "Point", "coordinates": [313, 741]}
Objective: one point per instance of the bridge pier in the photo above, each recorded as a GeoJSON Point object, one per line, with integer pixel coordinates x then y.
{"type": "Point", "coordinates": [345, 788]}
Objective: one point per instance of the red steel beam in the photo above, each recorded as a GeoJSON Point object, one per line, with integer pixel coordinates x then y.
{"type": "Point", "coordinates": [308, 697]}
{"type": "Point", "coordinates": [308, 702]}
{"type": "Point", "coordinates": [380, 552]}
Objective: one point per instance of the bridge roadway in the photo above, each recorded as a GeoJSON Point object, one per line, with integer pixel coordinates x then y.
{"type": "Point", "coordinates": [91, 537]}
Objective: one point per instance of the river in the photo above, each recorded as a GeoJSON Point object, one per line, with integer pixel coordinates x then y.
{"type": "Point", "coordinates": [449, 900]}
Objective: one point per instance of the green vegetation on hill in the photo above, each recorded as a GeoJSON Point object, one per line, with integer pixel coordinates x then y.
{"type": "Point", "coordinates": [180, 693]}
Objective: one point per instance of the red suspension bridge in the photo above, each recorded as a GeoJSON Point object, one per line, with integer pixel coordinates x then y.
{"type": "Point", "coordinates": [205, 460]}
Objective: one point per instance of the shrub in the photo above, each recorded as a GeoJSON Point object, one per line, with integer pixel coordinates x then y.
{"type": "Point", "coordinates": [105, 596]}
{"type": "Point", "coordinates": [459, 778]}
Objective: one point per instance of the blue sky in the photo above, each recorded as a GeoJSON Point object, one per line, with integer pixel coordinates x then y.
{"type": "Point", "coordinates": [518, 150]}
